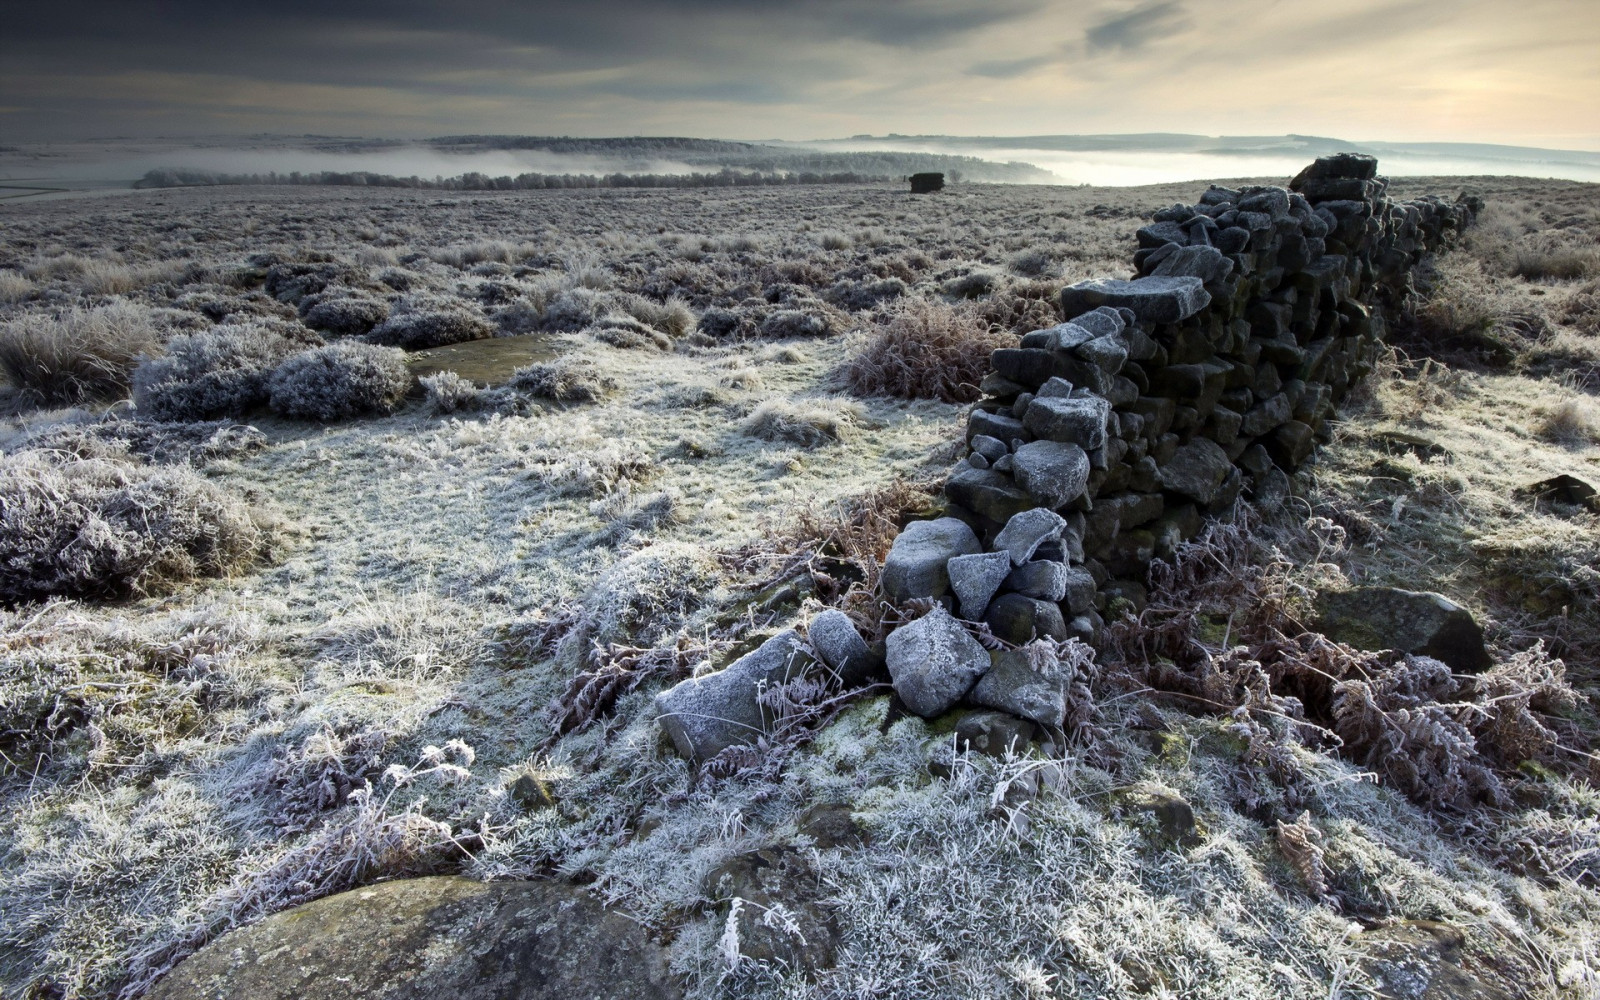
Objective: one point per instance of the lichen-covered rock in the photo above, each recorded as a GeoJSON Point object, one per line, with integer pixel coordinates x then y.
{"type": "Point", "coordinates": [1045, 579]}
{"type": "Point", "coordinates": [707, 714]}
{"type": "Point", "coordinates": [975, 578]}
{"type": "Point", "coordinates": [1426, 624]}
{"type": "Point", "coordinates": [420, 939]}
{"type": "Point", "coordinates": [918, 559]}
{"type": "Point", "coordinates": [995, 734]}
{"type": "Point", "coordinates": [934, 663]}
{"type": "Point", "coordinates": [1013, 685]}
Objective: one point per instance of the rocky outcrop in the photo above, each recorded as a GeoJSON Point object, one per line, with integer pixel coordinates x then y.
{"type": "Point", "coordinates": [420, 939]}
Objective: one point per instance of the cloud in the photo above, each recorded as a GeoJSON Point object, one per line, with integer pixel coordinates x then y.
{"type": "Point", "coordinates": [1008, 69]}
{"type": "Point", "coordinates": [1138, 27]}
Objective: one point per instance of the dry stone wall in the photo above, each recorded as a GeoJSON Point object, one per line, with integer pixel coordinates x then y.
{"type": "Point", "coordinates": [1105, 441]}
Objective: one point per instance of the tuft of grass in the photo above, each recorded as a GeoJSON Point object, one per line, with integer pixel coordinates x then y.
{"type": "Point", "coordinates": [14, 286]}
{"type": "Point", "coordinates": [807, 423]}
{"type": "Point", "coordinates": [1566, 264]}
{"type": "Point", "coordinates": [1574, 421]}
{"type": "Point", "coordinates": [78, 356]}
{"type": "Point", "coordinates": [924, 350]}
{"type": "Point", "coordinates": [420, 322]}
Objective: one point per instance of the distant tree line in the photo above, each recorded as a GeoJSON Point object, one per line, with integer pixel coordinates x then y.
{"type": "Point", "coordinates": [172, 177]}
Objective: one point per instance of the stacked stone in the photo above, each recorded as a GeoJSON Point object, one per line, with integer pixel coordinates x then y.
{"type": "Point", "coordinates": [1162, 399]}
{"type": "Point", "coordinates": [1106, 441]}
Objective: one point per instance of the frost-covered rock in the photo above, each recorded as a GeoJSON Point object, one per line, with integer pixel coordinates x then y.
{"type": "Point", "coordinates": [1024, 533]}
{"type": "Point", "coordinates": [705, 715]}
{"type": "Point", "coordinates": [837, 643]}
{"type": "Point", "coordinates": [1013, 685]}
{"type": "Point", "coordinates": [975, 578]}
{"type": "Point", "coordinates": [916, 566]}
{"type": "Point", "coordinates": [934, 663]}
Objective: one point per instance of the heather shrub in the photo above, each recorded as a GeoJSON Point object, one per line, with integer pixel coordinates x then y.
{"type": "Point", "coordinates": [970, 286]}
{"type": "Point", "coordinates": [421, 322]}
{"type": "Point", "coordinates": [77, 356]}
{"type": "Point", "coordinates": [924, 350]}
{"type": "Point", "coordinates": [447, 392]}
{"type": "Point", "coordinates": [1034, 262]}
{"type": "Point", "coordinates": [855, 295]}
{"type": "Point", "coordinates": [573, 309]}
{"type": "Point", "coordinates": [341, 380]}
{"type": "Point", "coordinates": [222, 372]}
{"type": "Point", "coordinates": [106, 527]}
{"type": "Point", "coordinates": [562, 380]}
{"type": "Point", "coordinates": [627, 332]}
{"type": "Point", "coordinates": [795, 323]}
{"type": "Point", "coordinates": [343, 314]}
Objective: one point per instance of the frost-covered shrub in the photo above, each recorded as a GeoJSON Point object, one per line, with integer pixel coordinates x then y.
{"type": "Point", "coordinates": [447, 392]}
{"type": "Point", "coordinates": [421, 322]}
{"type": "Point", "coordinates": [970, 286]}
{"type": "Point", "coordinates": [75, 356]}
{"type": "Point", "coordinates": [795, 323]}
{"type": "Point", "coordinates": [648, 594]}
{"type": "Point", "coordinates": [854, 295]}
{"type": "Point", "coordinates": [222, 372]}
{"type": "Point", "coordinates": [343, 313]}
{"type": "Point", "coordinates": [562, 380]}
{"type": "Point", "coordinates": [341, 380]}
{"type": "Point", "coordinates": [573, 309]}
{"type": "Point", "coordinates": [1034, 262]}
{"type": "Point", "coordinates": [719, 322]}
{"type": "Point", "coordinates": [672, 317]}
{"type": "Point", "coordinates": [106, 527]}
{"type": "Point", "coordinates": [627, 332]}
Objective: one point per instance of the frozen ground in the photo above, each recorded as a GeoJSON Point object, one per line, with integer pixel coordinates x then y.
{"type": "Point", "coordinates": [183, 761]}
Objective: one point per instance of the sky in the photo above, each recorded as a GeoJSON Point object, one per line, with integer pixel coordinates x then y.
{"type": "Point", "coordinates": [1503, 71]}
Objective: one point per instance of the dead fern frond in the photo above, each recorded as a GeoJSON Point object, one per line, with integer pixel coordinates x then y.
{"type": "Point", "coordinates": [616, 669]}
{"type": "Point", "coordinates": [1301, 844]}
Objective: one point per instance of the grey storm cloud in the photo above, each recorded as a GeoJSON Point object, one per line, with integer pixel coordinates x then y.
{"type": "Point", "coordinates": [1138, 27]}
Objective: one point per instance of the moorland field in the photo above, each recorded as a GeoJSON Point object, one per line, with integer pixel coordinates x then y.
{"type": "Point", "coordinates": [348, 534]}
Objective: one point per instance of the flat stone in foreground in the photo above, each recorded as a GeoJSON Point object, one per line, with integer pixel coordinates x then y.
{"type": "Point", "coordinates": [426, 938]}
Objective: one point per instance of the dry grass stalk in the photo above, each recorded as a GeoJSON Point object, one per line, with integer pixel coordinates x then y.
{"type": "Point", "coordinates": [924, 350]}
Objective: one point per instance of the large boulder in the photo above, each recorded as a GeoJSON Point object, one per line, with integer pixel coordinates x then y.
{"type": "Point", "coordinates": [707, 714]}
{"type": "Point", "coordinates": [1426, 624]}
{"type": "Point", "coordinates": [420, 939]}
{"type": "Point", "coordinates": [917, 561]}
{"type": "Point", "coordinates": [934, 663]}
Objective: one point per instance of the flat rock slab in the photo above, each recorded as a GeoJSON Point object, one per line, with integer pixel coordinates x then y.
{"type": "Point", "coordinates": [1153, 300]}
{"type": "Point", "coordinates": [1379, 618]}
{"type": "Point", "coordinates": [426, 938]}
